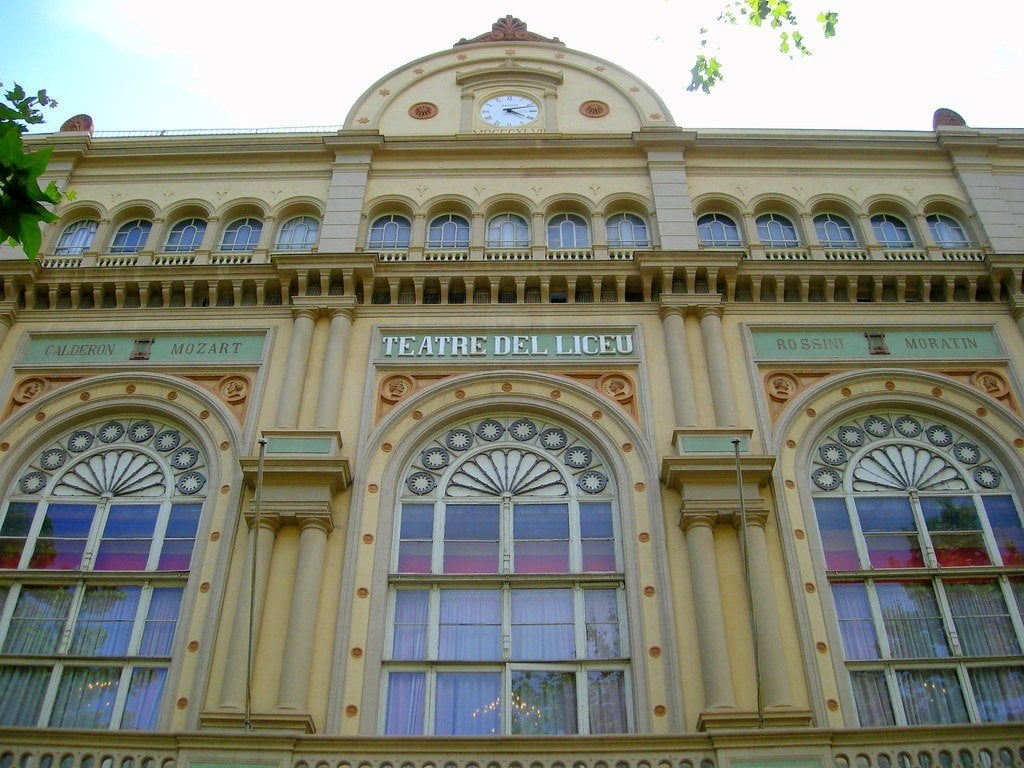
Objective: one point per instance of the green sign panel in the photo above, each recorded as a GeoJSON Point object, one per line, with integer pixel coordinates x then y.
{"type": "Point", "coordinates": [604, 345]}
{"type": "Point", "coordinates": [228, 347]}
{"type": "Point", "coordinates": [874, 343]}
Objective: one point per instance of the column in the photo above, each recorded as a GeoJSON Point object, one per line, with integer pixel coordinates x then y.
{"type": "Point", "coordinates": [333, 374]}
{"type": "Point", "coordinates": [770, 652]}
{"type": "Point", "coordinates": [718, 367]}
{"type": "Point", "coordinates": [298, 649]}
{"type": "Point", "coordinates": [8, 314]}
{"type": "Point", "coordinates": [295, 372]}
{"type": "Point", "coordinates": [684, 400]}
{"type": "Point", "coordinates": [707, 598]}
{"type": "Point", "coordinates": [232, 692]}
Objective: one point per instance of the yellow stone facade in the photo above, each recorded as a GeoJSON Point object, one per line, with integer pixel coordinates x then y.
{"type": "Point", "coordinates": [718, 341]}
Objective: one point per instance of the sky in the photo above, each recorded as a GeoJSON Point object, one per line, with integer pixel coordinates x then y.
{"type": "Point", "coordinates": [227, 64]}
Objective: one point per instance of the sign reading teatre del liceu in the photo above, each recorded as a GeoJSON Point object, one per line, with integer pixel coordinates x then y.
{"type": "Point", "coordinates": [571, 345]}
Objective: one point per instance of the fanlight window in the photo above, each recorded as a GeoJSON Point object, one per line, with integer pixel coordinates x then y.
{"type": "Point", "coordinates": [131, 237]}
{"type": "Point", "coordinates": [528, 509]}
{"type": "Point", "coordinates": [389, 233]}
{"type": "Point", "coordinates": [77, 237]}
{"type": "Point", "coordinates": [627, 230]}
{"type": "Point", "coordinates": [241, 235]}
{"type": "Point", "coordinates": [298, 234]}
{"type": "Point", "coordinates": [776, 231]}
{"type": "Point", "coordinates": [835, 231]}
{"type": "Point", "coordinates": [508, 231]}
{"type": "Point", "coordinates": [947, 232]}
{"type": "Point", "coordinates": [186, 236]}
{"type": "Point", "coordinates": [448, 231]}
{"type": "Point", "coordinates": [567, 230]}
{"type": "Point", "coordinates": [891, 232]}
{"type": "Point", "coordinates": [923, 543]}
{"type": "Point", "coordinates": [718, 230]}
{"type": "Point", "coordinates": [96, 540]}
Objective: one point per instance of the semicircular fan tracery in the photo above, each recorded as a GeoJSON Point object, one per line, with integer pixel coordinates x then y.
{"type": "Point", "coordinates": [905, 468]}
{"type": "Point", "coordinates": [113, 473]}
{"type": "Point", "coordinates": [507, 471]}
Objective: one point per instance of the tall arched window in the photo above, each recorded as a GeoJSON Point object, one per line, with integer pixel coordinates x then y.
{"type": "Point", "coordinates": [298, 234]}
{"type": "Point", "coordinates": [76, 237]}
{"type": "Point", "coordinates": [448, 231]}
{"type": "Point", "coordinates": [96, 540]}
{"type": "Point", "coordinates": [508, 230]}
{"type": "Point", "coordinates": [131, 237]}
{"type": "Point", "coordinates": [567, 230]}
{"type": "Point", "coordinates": [185, 236]}
{"type": "Point", "coordinates": [835, 231]}
{"type": "Point", "coordinates": [718, 230]}
{"type": "Point", "coordinates": [506, 607]}
{"type": "Point", "coordinates": [627, 230]}
{"type": "Point", "coordinates": [389, 233]}
{"type": "Point", "coordinates": [241, 235]}
{"type": "Point", "coordinates": [776, 231]}
{"type": "Point", "coordinates": [923, 544]}
{"type": "Point", "coordinates": [947, 232]}
{"type": "Point", "coordinates": [891, 231]}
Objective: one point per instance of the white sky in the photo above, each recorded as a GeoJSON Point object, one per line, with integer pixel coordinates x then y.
{"type": "Point", "coordinates": [162, 64]}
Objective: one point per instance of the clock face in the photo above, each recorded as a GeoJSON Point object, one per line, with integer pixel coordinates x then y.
{"type": "Point", "coordinates": [509, 110]}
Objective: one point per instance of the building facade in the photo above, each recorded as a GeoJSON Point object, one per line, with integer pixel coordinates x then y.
{"type": "Point", "coordinates": [512, 424]}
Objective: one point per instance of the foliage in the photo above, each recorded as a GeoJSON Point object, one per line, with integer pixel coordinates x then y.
{"type": "Point", "coordinates": [777, 15]}
{"type": "Point", "coordinates": [22, 201]}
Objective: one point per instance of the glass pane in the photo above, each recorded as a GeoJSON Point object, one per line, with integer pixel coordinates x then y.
{"type": "Point", "coordinates": [955, 530]}
{"type": "Point", "coordinates": [410, 638]}
{"type": "Point", "coordinates": [881, 520]}
{"type": "Point", "coordinates": [183, 521]}
{"type": "Point", "coordinates": [468, 704]}
{"type": "Point", "coordinates": [981, 618]}
{"type": "Point", "coordinates": [1006, 528]}
{"type": "Point", "coordinates": [543, 702]}
{"type": "Point", "coordinates": [999, 692]}
{"type": "Point", "coordinates": [85, 697]}
{"type": "Point", "coordinates": [62, 537]}
{"type": "Point", "coordinates": [541, 533]}
{"type": "Point", "coordinates": [14, 531]}
{"type": "Point", "coordinates": [470, 624]}
{"type": "Point", "coordinates": [417, 534]}
{"type": "Point", "coordinates": [602, 620]}
{"type": "Point", "coordinates": [606, 697]}
{"type": "Point", "coordinates": [175, 555]}
{"type": "Point", "coordinates": [836, 535]}
{"type": "Point", "coordinates": [38, 620]}
{"type": "Point", "coordinates": [104, 624]}
{"type": "Point", "coordinates": [872, 697]}
{"type": "Point", "coordinates": [127, 538]}
{"type": "Point", "coordinates": [598, 537]}
{"type": "Point", "coordinates": [855, 624]}
{"type": "Point", "coordinates": [471, 538]}
{"type": "Point", "coordinates": [417, 521]}
{"type": "Point", "coordinates": [404, 714]}
{"type": "Point", "coordinates": [143, 703]}
{"type": "Point", "coordinates": [912, 621]}
{"type": "Point", "coordinates": [542, 625]}
{"type": "Point", "coordinates": [21, 694]}
{"type": "Point", "coordinates": [931, 696]}
{"type": "Point", "coordinates": [158, 633]}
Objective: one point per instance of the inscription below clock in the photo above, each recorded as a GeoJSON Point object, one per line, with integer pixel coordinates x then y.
{"type": "Point", "coordinates": [509, 110]}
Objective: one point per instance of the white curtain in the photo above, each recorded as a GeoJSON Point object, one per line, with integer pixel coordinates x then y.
{"type": "Point", "coordinates": [981, 618]}
{"type": "Point", "coordinates": [38, 620]}
{"type": "Point", "coordinates": [468, 704]}
{"type": "Point", "coordinates": [85, 697]}
{"type": "Point", "coordinates": [470, 626]}
{"type": "Point", "coordinates": [872, 697]}
{"type": "Point", "coordinates": [912, 621]}
{"type": "Point", "coordinates": [160, 622]}
{"type": "Point", "coordinates": [410, 641]}
{"type": "Point", "coordinates": [855, 624]}
{"type": "Point", "coordinates": [542, 625]}
{"type": "Point", "coordinates": [104, 624]}
{"type": "Point", "coordinates": [999, 692]}
{"type": "Point", "coordinates": [931, 696]}
{"type": "Point", "coordinates": [602, 618]}
{"type": "Point", "coordinates": [606, 697]}
{"type": "Point", "coordinates": [405, 703]}
{"type": "Point", "coordinates": [21, 694]}
{"type": "Point", "coordinates": [143, 703]}
{"type": "Point", "coordinates": [543, 703]}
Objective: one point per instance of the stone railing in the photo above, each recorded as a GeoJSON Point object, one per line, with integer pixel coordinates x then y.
{"type": "Point", "coordinates": [570, 254]}
{"type": "Point", "coordinates": [962, 254]}
{"type": "Point", "coordinates": [904, 254]}
{"type": "Point", "coordinates": [787, 254]}
{"type": "Point", "coordinates": [507, 254]}
{"type": "Point", "coordinates": [846, 254]}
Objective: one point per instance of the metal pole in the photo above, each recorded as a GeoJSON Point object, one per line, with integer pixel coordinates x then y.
{"type": "Point", "coordinates": [252, 585]}
{"type": "Point", "coordinates": [747, 581]}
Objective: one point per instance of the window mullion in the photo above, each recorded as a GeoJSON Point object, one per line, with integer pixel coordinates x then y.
{"type": "Point", "coordinates": [582, 700]}
{"type": "Point", "coordinates": [876, 617]}
{"type": "Point", "coordinates": [92, 542]}
{"type": "Point", "coordinates": [973, 715]}
{"type": "Point", "coordinates": [433, 621]}
{"type": "Point", "coordinates": [159, 532]}
{"type": "Point", "coordinates": [923, 535]}
{"type": "Point", "coordinates": [7, 612]}
{"type": "Point", "coordinates": [994, 556]}
{"type": "Point", "coordinates": [437, 550]}
{"type": "Point", "coordinates": [506, 622]}
{"type": "Point", "coordinates": [575, 537]}
{"type": "Point", "coordinates": [895, 699]}
{"type": "Point", "coordinates": [33, 533]}
{"type": "Point", "coordinates": [72, 618]}
{"type": "Point", "coordinates": [139, 623]}
{"type": "Point", "coordinates": [429, 701]}
{"type": "Point", "coordinates": [947, 616]}
{"type": "Point", "coordinates": [121, 697]}
{"type": "Point", "coordinates": [506, 532]}
{"type": "Point", "coordinates": [579, 611]}
{"type": "Point", "coordinates": [46, 710]}
{"type": "Point", "coordinates": [858, 534]}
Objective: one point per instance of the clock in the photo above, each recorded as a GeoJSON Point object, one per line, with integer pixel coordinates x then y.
{"type": "Point", "coordinates": [509, 110]}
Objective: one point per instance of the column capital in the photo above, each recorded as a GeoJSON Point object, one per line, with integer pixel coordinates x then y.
{"type": "Point", "coordinates": [269, 520]}
{"type": "Point", "coordinates": [756, 517]}
{"type": "Point", "coordinates": [703, 519]}
{"type": "Point", "coordinates": [346, 307]}
{"type": "Point", "coordinates": [1016, 306]}
{"type": "Point", "coordinates": [705, 310]}
{"type": "Point", "coordinates": [308, 311]}
{"type": "Point", "coordinates": [8, 313]}
{"type": "Point", "coordinates": [668, 310]}
{"type": "Point", "coordinates": [300, 514]}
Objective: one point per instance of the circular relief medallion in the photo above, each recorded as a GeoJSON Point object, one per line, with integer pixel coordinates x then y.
{"type": "Point", "coordinates": [594, 108]}
{"type": "Point", "coordinates": [434, 458]}
{"type": "Point", "coordinates": [167, 440]}
{"type": "Point", "coordinates": [234, 389]}
{"type": "Point", "coordinates": [987, 477]}
{"type": "Point", "coordinates": [420, 483]}
{"type": "Point", "coordinates": [140, 431]}
{"type": "Point", "coordinates": [458, 439]}
{"type": "Point", "coordinates": [423, 110]}
{"type": "Point", "coordinates": [111, 432]}
{"type": "Point", "coordinates": [523, 429]}
{"type": "Point", "coordinates": [32, 482]}
{"type": "Point", "coordinates": [395, 387]}
{"type": "Point", "coordinates": [877, 426]}
{"type": "Point", "coordinates": [832, 453]}
{"type": "Point", "coordinates": [966, 453]}
{"type": "Point", "coordinates": [54, 458]}
{"type": "Point", "coordinates": [826, 479]}
{"type": "Point", "coordinates": [190, 482]}
{"type": "Point", "coordinates": [991, 383]}
{"type": "Point", "coordinates": [908, 426]}
{"type": "Point", "coordinates": [593, 482]}
{"type": "Point", "coordinates": [578, 457]}
{"type": "Point", "coordinates": [28, 389]}
{"type": "Point", "coordinates": [80, 441]}
{"type": "Point", "coordinates": [617, 386]}
{"type": "Point", "coordinates": [850, 435]}
{"type": "Point", "coordinates": [782, 386]}
{"type": "Point", "coordinates": [939, 435]}
{"type": "Point", "coordinates": [553, 439]}
{"type": "Point", "coordinates": [490, 430]}
{"type": "Point", "coordinates": [185, 458]}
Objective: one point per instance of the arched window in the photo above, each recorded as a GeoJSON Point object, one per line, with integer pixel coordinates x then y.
{"type": "Point", "coordinates": [921, 531]}
{"type": "Point", "coordinates": [96, 540]}
{"type": "Point", "coordinates": [776, 231]}
{"type": "Point", "coordinates": [131, 237]}
{"type": "Point", "coordinates": [77, 237]}
{"type": "Point", "coordinates": [298, 234]}
{"type": "Point", "coordinates": [185, 236]}
{"type": "Point", "coordinates": [389, 233]}
{"type": "Point", "coordinates": [627, 230]}
{"type": "Point", "coordinates": [448, 231]}
{"type": "Point", "coordinates": [835, 231]}
{"type": "Point", "coordinates": [508, 231]}
{"type": "Point", "coordinates": [241, 235]}
{"type": "Point", "coordinates": [947, 232]}
{"type": "Point", "coordinates": [718, 230]}
{"type": "Point", "coordinates": [567, 230]}
{"type": "Point", "coordinates": [529, 510]}
{"type": "Point", "coordinates": [891, 231]}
